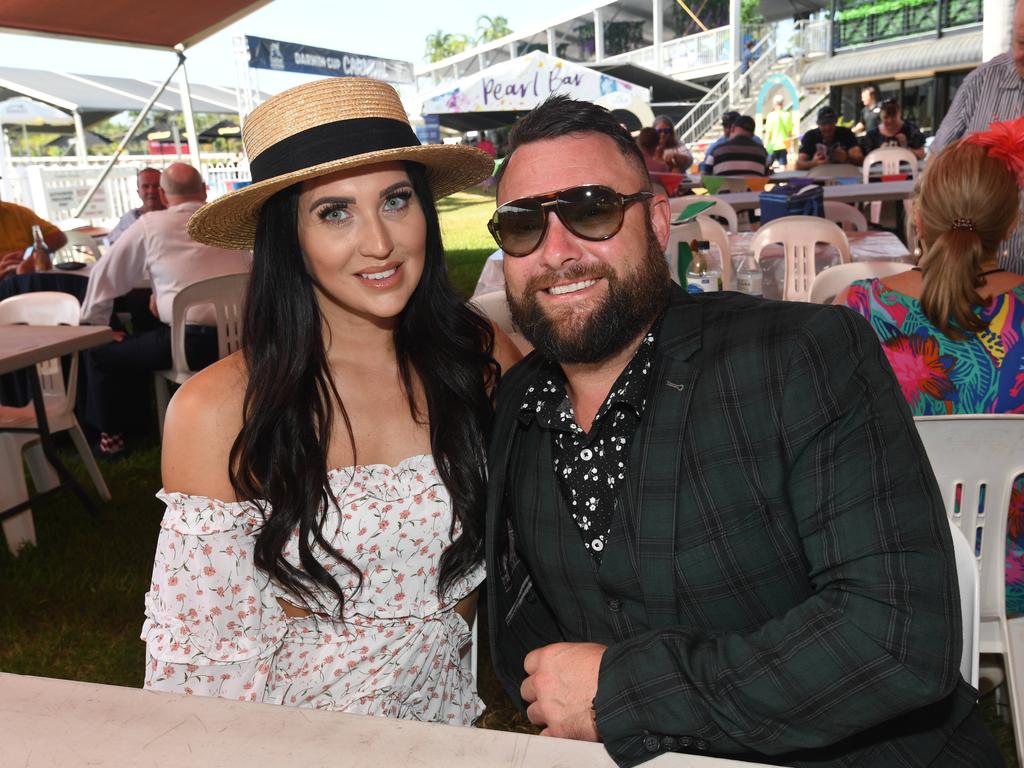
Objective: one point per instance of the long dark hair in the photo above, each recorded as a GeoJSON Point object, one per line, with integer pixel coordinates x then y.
{"type": "Point", "coordinates": [279, 459]}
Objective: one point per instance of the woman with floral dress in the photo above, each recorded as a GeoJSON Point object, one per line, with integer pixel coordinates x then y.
{"type": "Point", "coordinates": [953, 328]}
{"type": "Point", "coordinates": [325, 485]}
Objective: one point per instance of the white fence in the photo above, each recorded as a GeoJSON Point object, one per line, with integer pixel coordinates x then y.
{"type": "Point", "coordinates": [54, 187]}
{"type": "Point", "coordinates": [684, 53]}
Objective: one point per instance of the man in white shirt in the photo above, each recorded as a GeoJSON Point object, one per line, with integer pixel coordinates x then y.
{"type": "Point", "coordinates": [158, 243]}
{"type": "Point", "coordinates": [148, 181]}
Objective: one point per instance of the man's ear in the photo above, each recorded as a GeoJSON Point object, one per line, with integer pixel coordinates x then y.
{"type": "Point", "coordinates": [661, 216]}
{"type": "Point", "coordinates": [163, 198]}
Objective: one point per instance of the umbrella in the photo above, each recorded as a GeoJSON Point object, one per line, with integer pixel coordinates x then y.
{"type": "Point", "coordinates": [225, 129]}
{"type": "Point", "coordinates": [24, 111]}
{"type": "Point", "coordinates": [92, 139]}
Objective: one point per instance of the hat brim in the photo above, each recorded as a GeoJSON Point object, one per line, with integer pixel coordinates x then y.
{"type": "Point", "coordinates": [230, 220]}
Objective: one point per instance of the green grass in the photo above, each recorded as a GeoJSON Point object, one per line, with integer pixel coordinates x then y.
{"type": "Point", "coordinates": [466, 239]}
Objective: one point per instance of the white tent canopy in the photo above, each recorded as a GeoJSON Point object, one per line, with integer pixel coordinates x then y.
{"type": "Point", "coordinates": [522, 83]}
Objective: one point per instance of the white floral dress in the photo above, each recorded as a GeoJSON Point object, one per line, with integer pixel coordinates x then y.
{"type": "Point", "coordinates": [214, 626]}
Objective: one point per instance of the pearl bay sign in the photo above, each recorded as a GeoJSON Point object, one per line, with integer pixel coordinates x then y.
{"type": "Point", "coordinates": [294, 57]}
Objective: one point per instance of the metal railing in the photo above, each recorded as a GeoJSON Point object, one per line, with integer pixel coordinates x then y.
{"type": "Point", "coordinates": [810, 36]}
{"type": "Point", "coordinates": [708, 111]}
{"type": "Point", "coordinates": [690, 52]}
{"type": "Point", "coordinates": [861, 23]}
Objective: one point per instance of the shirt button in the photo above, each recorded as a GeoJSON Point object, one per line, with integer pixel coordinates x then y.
{"type": "Point", "coordinates": [668, 743]}
{"type": "Point", "coordinates": [685, 742]}
{"type": "Point", "coordinates": [702, 745]}
{"type": "Point", "coordinates": [652, 743]}
{"type": "Point", "coordinates": [586, 454]}
{"type": "Point", "coordinates": [614, 604]}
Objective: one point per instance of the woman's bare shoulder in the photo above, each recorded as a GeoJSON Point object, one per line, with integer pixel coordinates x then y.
{"type": "Point", "coordinates": [202, 422]}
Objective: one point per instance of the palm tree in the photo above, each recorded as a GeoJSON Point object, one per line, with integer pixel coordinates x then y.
{"type": "Point", "coordinates": [491, 28]}
{"type": "Point", "coordinates": [441, 45]}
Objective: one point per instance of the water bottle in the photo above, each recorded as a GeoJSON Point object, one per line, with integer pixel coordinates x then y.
{"type": "Point", "coordinates": [38, 253]}
{"type": "Point", "coordinates": [700, 275]}
{"type": "Point", "coordinates": [749, 280]}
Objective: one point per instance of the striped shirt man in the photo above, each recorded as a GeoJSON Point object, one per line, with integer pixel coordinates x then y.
{"type": "Point", "coordinates": [992, 92]}
{"type": "Point", "coordinates": [741, 155]}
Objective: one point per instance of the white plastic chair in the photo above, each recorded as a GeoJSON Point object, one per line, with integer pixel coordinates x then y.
{"type": "Point", "coordinates": [720, 208]}
{"type": "Point", "coordinates": [799, 235]}
{"type": "Point", "coordinates": [894, 160]}
{"type": "Point", "coordinates": [226, 294]}
{"type": "Point", "coordinates": [970, 603]}
{"type": "Point", "coordinates": [715, 233]}
{"type": "Point", "coordinates": [41, 308]}
{"type": "Point", "coordinates": [829, 282]}
{"type": "Point", "coordinates": [494, 306]}
{"type": "Point", "coordinates": [844, 213]}
{"type": "Point", "coordinates": [975, 459]}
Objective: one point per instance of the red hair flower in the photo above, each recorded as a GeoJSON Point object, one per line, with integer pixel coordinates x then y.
{"type": "Point", "coordinates": [1005, 141]}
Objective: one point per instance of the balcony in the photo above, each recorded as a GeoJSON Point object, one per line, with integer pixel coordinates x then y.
{"type": "Point", "coordinates": [861, 23]}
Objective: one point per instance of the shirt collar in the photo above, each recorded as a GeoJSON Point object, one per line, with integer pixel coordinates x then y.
{"type": "Point", "coordinates": [1010, 80]}
{"type": "Point", "coordinates": [546, 399]}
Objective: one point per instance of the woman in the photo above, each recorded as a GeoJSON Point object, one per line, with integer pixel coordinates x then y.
{"type": "Point", "coordinates": [675, 155]}
{"type": "Point", "coordinates": [325, 485]}
{"type": "Point", "coordinates": [953, 329]}
{"type": "Point", "coordinates": [648, 141]}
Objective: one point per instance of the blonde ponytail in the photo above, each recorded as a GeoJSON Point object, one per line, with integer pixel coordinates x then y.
{"type": "Point", "coordinates": [950, 270]}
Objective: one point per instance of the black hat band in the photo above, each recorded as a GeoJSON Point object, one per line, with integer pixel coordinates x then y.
{"type": "Point", "coordinates": [331, 141]}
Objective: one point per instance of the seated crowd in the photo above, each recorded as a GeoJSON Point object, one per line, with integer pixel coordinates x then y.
{"type": "Point", "coordinates": [706, 523]}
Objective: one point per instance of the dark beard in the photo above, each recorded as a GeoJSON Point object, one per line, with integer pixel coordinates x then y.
{"type": "Point", "coordinates": [632, 303]}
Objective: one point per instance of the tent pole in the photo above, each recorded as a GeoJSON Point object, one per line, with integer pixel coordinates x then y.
{"type": "Point", "coordinates": [186, 108]}
{"type": "Point", "coordinates": [81, 150]}
{"type": "Point", "coordinates": [127, 137]}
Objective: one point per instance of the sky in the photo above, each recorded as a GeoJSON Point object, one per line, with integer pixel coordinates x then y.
{"type": "Point", "coordinates": [394, 29]}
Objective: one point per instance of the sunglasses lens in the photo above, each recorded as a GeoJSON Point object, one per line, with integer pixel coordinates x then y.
{"type": "Point", "coordinates": [518, 226]}
{"type": "Point", "coordinates": [591, 212]}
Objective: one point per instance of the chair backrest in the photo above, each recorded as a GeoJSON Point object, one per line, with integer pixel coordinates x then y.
{"type": "Point", "coordinates": [970, 603]}
{"type": "Point", "coordinates": [975, 459]}
{"type": "Point", "coordinates": [47, 308]}
{"type": "Point", "coordinates": [829, 282]}
{"type": "Point", "coordinates": [844, 213]}
{"type": "Point", "coordinates": [891, 158]}
{"type": "Point", "coordinates": [77, 241]}
{"type": "Point", "coordinates": [494, 306]}
{"type": "Point", "coordinates": [834, 171]}
{"type": "Point", "coordinates": [715, 233]}
{"type": "Point", "coordinates": [799, 235]}
{"type": "Point", "coordinates": [720, 208]}
{"type": "Point", "coordinates": [226, 294]}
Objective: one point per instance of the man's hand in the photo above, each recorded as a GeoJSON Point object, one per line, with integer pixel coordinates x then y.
{"type": "Point", "coordinates": [560, 687]}
{"type": "Point", "coordinates": [901, 139]}
{"type": "Point", "coordinates": [840, 155]}
{"type": "Point", "coordinates": [9, 263]}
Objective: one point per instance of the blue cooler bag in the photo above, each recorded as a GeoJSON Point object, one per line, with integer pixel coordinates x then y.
{"type": "Point", "coordinates": [792, 200]}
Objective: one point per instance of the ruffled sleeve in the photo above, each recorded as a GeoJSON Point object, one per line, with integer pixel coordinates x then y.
{"type": "Point", "coordinates": [212, 622]}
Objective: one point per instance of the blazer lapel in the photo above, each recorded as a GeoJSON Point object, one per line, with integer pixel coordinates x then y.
{"type": "Point", "coordinates": [652, 507]}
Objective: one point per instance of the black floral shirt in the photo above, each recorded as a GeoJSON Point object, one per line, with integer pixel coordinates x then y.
{"type": "Point", "coordinates": [590, 466]}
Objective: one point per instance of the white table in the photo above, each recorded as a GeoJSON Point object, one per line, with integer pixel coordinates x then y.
{"type": "Point", "coordinates": [21, 347]}
{"type": "Point", "coordinates": [45, 722]}
{"type": "Point", "coordinates": [843, 193]}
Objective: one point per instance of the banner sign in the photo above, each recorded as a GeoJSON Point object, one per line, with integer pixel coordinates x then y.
{"type": "Point", "coordinates": [523, 83]}
{"type": "Point", "coordinates": [293, 57]}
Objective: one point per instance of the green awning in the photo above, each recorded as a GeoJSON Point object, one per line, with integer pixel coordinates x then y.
{"type": "Point", "coordinates": [959, 51]}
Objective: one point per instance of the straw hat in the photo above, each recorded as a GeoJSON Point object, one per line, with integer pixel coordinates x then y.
{"type": "Point", "coordinates": [324, 127]}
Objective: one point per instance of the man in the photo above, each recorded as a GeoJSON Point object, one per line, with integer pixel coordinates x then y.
{"type": "Point", "coordinates": [158, 244]}
{"type": "Point", "coordinates": [740, 155]}
{"type": "Point", "coordinates": [894, 131]}
{"type": "Point", "coordinates": [728, 119]}
{"type": "Point", "coordinates": [710, 526]}
{"type": "Point", "coordinates": [778, 131]}
{"type": "Point", "coordinates": [828, 143]}
{"type": "Point", "coordinates": [991, 93]}
{"type": "Point", "coordinates": [16, 222]}
{"type": "Point", "coordinates": [148, 184]}
{"type": "Point", "coordinates": [747, 58]}
{"type": "Point", "coordinates": [870, 115]}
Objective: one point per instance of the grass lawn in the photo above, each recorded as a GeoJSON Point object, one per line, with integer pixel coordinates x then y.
{"type": "Point", "coordinates": [466, 239]}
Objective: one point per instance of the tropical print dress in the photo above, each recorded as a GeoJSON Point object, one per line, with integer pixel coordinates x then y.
{"type": "Point", "coordinates": [982, 373]}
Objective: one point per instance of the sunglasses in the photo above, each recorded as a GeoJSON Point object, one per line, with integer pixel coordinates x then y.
{"type": "Point", "coordinates": [663, 130]}
{"type": "Point", "coordinates": [591, 212]}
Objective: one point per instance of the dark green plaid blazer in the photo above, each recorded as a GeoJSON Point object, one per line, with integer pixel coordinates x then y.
{"type": "Point", "coordinates": [795, 574]}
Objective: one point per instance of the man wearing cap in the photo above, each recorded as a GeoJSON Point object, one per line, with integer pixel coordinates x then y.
{"type": "Point", "coordinates": [728, 119]}
{"type": "Point", "coordinates": [159, 244]}
{"type": "Point", "coordinates": [148, 184]}
{"type": "Point", "coordinates": [740, 155]}
{"type": "Point", "coordinates": [828, 143]}
{"type": "Point", "coordinates": [778, 131]}
{"type": "Point", "coordinates": [711, 526]}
